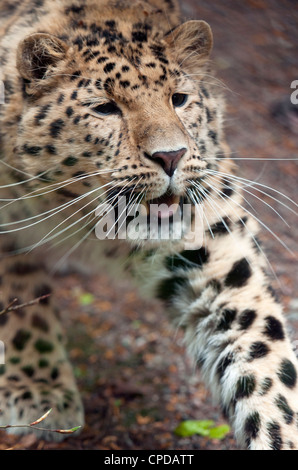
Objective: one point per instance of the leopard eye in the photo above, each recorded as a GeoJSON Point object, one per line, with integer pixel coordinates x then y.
{"type": "Point", "coordinates": [179, 99]}
{"type": "Point", "coordinates": [106, 109]}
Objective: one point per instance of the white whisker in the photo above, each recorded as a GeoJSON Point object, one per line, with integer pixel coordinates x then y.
{"type": "Point", "coordinates": [265, 226]}
{"type": "Point", "coordinates": [46, 239]}
{"type": "Point", "coordinates": [257, 197]}
{"type": "Point", "coordinates": [251, 184]}
{"type": "Point", "coordinates": [53, 212]}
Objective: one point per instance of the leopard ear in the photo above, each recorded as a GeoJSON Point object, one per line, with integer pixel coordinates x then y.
{"type": "Point", "coordinates": [191, 43]}
{"type": "Point", "coordinates": [39, 55]}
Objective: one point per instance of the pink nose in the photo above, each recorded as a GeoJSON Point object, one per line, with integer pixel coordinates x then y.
{"type": "Point", "coordinates": [168, 160]}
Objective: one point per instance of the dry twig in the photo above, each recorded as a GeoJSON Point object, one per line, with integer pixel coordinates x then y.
{"type": "Point", "coordinates": [38, 421]}
{"type": "Point", "coordinates": [12, 307]}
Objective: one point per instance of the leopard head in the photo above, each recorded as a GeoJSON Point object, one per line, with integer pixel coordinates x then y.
{"type": "Point", "coordinates": [121, 109]}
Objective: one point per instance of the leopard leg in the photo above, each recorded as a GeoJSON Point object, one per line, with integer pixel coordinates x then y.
{"type": "Point", "coordinates": [36, 375]}
{"type": "Point", "coordinates": [236, 333]}
{"type": "Point", "coordinates": [248, 362]}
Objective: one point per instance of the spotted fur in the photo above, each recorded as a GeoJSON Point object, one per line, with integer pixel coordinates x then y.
{"type": "Point", "coordinates": [105, 98]}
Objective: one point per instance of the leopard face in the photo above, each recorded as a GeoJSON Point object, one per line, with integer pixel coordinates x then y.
{"type": "Point", "coordinates": [120, 110]}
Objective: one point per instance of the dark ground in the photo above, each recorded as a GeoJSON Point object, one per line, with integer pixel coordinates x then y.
{"type": "Point", "coordinates": [130, 364]}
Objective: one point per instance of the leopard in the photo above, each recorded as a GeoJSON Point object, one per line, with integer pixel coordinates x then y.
{"type": "Point", "coordinates": [107, 101]}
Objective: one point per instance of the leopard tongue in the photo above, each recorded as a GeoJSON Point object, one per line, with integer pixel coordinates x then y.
{"type": "Point", "coordinates": [163, 207]}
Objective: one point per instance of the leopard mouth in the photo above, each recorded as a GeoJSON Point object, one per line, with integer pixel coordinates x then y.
{"type": "Point", "coordinates": [163, 207]}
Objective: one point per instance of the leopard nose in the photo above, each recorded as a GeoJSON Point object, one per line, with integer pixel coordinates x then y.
{"type": "Point", "coordinates": [168, 160]}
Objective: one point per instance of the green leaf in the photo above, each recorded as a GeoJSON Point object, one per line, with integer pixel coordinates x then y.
{"type": "Point", "coordinates": [191, 427]}
{"type": "Point", "coordinates": [86, 299]}
{"type": "Point", "coordinates": [136, 324]}
{"type": "Point", "coordinates": [79, 372]}
{"type": "Point", "coordinates": [75, 429]}
{"type": "Point", "coordinates": [68, 431]}
{"type": "Point", "coordinates": [219, 432]}
{"type": "Point", "coordinates": [204, 428]}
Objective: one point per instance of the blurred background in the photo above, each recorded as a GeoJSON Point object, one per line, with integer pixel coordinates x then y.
{"type": "Point", "coordinates": [130, 364]}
